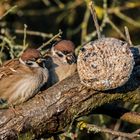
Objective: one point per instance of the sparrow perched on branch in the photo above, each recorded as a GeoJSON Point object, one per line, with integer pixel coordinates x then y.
{"type": "Point", "coordinates": [21, 79]}
{"type": "Point", "coordinates": [61, 62]}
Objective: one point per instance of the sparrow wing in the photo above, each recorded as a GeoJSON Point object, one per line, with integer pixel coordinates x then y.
{"type": "Point", "coordinates": [11, 75]}
{"type": "Point", "coordinates": [8, 68]}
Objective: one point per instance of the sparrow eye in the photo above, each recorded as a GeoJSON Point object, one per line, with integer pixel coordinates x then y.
{"type": "Point", "coordinates": [29, 63]}
{"type": "Point", "coordinates": [59, 54]}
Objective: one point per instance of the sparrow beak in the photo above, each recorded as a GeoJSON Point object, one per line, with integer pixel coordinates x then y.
{"type": "Point", "coordinates": [38, 61]}
{"type": "Point", "coordinates": [41, 62]}
{"type": "Point", "coordinates": [71, 58]}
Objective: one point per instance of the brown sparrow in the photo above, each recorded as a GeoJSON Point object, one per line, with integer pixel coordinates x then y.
{"type": "Point", "coordinates": [21, 79]}
{"type": "Point", "coordinates": [61, 62]}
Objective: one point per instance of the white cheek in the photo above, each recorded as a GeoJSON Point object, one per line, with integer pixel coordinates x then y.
{"type": "Point", "coordinates": [53, 51]}
{"type": "Point", "coordinates": [21, 61]}
{"type": "Point", "coordinates": [34, 65]}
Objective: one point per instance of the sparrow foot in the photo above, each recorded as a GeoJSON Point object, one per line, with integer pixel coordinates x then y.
{"type": "Point", "coordinates": [41, 97]}
{"type": "Point", "coordinates": [16, 112]}
{"type": "Point", "coordinates": [3, 104]}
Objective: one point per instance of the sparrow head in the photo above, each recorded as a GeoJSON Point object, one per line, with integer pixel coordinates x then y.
{"type": "Point", "coordinates": [64, 49]}
{"type": "Point", "coordinates": [32, 58]}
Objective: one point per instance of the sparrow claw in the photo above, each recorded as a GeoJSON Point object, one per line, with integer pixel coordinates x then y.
{"type": "Point", "coordinates": [13, 109]}
{"type": "Point", "coordinates": [3, 104]}
{"type": "Point", "coordinates": [40, 96]}
{"type": "Point", "coordinates": [16, 112]}
{"type": "Point", "coordinates": [2, 101]}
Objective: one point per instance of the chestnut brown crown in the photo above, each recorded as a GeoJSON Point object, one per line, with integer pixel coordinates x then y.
{"type": "Point", "coordinates": [30, 54]}
{"type": "Point", "coordinates": [65, 45]}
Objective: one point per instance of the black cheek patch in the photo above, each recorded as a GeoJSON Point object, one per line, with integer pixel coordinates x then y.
{"type": "Point", "coordinates": [29, 63]}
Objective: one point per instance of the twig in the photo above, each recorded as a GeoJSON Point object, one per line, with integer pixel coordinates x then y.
{"type": "Point", "coordinates": [132, 117]}
{"type": "Point", "coordinates": [116, 28]}
{"type": "Point", "coordinates": [46, 2]}
{"type": "Point", "coordinates": [24, 41]}
{"type": "Point", "coordinates": [59, 3]}
{"type": "Point", "coordinates": [137, 131]}
{"type": "Point", "coordinates": [70, 6]}
{"type": "Point", "coordinates": [96, 129]}
{"type": "Point", "coordinates": [11, 45]}
{"type": "Point", "coordinates": [1, 50]}
{"type": "Point", "coordinates": [7, 12]}
{"type": "Point", "coordinates": [34, 33]}
{"type": "Point", "coordinates": [84, 25]}
{"type": "Point", "coordinates": [102, 122]}
{"type": "Point", "coordinates": [128, 36]}
{"type": "Point", "coordinates": [112, 10]}
{"type": "Point", "coordinates": [127, 19]}
{"type": "Point", "coordinates": [107, 19]}
{"type": "Point", "coordinates": [24, 38]}
{"type": "Point", "coordinates": [94, 16]}
{"type": "Point", "coordinates": [135, 107]}
{"type": "Point", "coordinates": [49, 41]}
{"type": "Point", "coordinates": [103, 24]}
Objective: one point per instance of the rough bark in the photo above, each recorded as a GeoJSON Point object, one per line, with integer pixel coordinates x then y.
{"type": "Point", "coordinates": [53, 109]}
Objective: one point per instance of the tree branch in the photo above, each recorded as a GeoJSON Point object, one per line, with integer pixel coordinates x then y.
{"type": "Point", "coordinates": [96, 129]}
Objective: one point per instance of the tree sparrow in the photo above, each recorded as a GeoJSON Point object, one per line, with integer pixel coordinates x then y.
{"type": "Point", "coordinates": [21, 79]}
{"type": "Point", "coordinates": [61, 62]}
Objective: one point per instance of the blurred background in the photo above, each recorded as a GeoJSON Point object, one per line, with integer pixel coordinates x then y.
{"type": "Point", "coordinates": [31, 23]}
{"type": "Point", "coordinates": [72, 17]}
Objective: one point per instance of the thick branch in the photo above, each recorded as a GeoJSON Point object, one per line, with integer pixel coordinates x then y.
{"type": "Point", "coordinates": [53, 109]}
